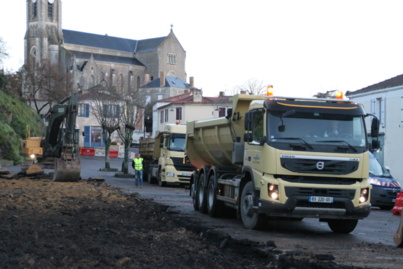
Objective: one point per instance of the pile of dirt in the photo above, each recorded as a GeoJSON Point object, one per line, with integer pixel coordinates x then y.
{"type": "Point", "coordinates": [45, 224]}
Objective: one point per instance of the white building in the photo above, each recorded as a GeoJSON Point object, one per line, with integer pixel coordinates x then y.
{"type": "Point", "coordinates": [190, 106]}
{"type": "Point", "coordinates": [385, 100]}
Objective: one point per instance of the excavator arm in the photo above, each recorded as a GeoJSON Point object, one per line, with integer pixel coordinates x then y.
{"type": "Point", "coordinates": [61, 140]}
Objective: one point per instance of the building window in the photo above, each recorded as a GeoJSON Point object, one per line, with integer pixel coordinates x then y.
{"type": "Point", "coordinates": [378, 109]}
{"type": "Point", "coordinates": [401, 109]}
{"type": "Point", "coordinates": [221, 112]}
{"type": "Point", "coordinates": [50, 9]}
{"type": "Point", "coordinates": [178, 113]}
{"type": "Point", "coordinates": [111, 111]}
{"type": "Point", "coordinates": [171, 58]}
{"type": "Point", "coordinates": [35, 9]}
{"type": "Point", "coordinates": [162, 116]}
{"type": "Point", "coordinates": [166, 115]}
{"type": "Point", "coordinates": [83, 110]}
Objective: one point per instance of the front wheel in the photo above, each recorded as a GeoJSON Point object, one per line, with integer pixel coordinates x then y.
{"type": "Point", "coordinates": [160, 182]}
{"type": "Point", "coordinates": [343, 226]}
{"type": "Point", "coordinates": [250, 218]}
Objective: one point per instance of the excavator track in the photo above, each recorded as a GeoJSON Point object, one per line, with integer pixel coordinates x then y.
{"type": "Point", "coordinates": [67, 170]}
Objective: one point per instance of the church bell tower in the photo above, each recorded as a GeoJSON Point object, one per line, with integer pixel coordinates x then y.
{"type": "Point", "coordinates": [44, 32]}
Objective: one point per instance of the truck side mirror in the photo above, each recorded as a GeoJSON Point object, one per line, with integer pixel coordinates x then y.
{"type": "Point", "coordinates": [247, 137]}
{"type": "Point", "coordinates": [375, 127]}
{"type": "Point", "coordinates": [248, 121]}
{"type": "Point", "coordinates": [375, 144]}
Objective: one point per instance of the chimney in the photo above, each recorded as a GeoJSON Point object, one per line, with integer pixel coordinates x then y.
{"type": "Point", "coordinates": [146, 79]}
{"type": "Point", "coordinates": [221, 94]}
{"type": "Point", "coordinates": [243, 92]}
{"type": "Point", "coordinates": [162, 79]}
{"type": "Point", "coordinates": [197, 96]}
{"type": "Point", "coordinates": [191, 81]}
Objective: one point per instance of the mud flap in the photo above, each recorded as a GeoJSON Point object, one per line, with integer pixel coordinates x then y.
{"type": "Point", "coordinates": [398, 237]}
{"type": "Point", "coordinates": [67, 170]}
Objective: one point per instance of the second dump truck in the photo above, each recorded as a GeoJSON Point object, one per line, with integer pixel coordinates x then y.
{"type": "Point", "coordinates": [164, 155]}
{"type": "Point", "coordinates": [280, 157]}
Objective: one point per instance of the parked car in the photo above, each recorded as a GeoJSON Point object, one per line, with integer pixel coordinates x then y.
{"type": "Point", "coordinates": [384, 187]}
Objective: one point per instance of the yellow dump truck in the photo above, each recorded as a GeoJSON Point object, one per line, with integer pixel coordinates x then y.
{"type": "Point", "coordinates": [164, 156]}
{"type": "Point", "coordinates": [280, 157]}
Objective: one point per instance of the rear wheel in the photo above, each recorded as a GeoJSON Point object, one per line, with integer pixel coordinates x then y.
{"type": "Point", "coordinates": [343, 226]}
{"type": "Point", "coordinates": [250, 218]}
{"type": "Point", "coordinates": [201, 191]}
{"type": "Point", "coordinates": [195, 195]}
{"type": "Point", "coordinates": [214, 206]}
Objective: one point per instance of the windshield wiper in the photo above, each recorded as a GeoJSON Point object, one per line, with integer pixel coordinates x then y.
{"type": "Point", "coordinates": [295, 138]}
{"type": "Point", "coordinates": [339, 141]}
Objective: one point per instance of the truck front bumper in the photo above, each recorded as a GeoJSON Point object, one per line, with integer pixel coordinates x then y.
{"type": "Point", "coordinates": [300, 207]}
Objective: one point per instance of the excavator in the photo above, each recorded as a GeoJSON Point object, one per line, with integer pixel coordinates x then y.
{"type": "Point", "coordinates": [58, 149]}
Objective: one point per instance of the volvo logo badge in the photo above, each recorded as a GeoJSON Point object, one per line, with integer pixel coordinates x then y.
{"type": "Point", "coordinates": [320, 165]}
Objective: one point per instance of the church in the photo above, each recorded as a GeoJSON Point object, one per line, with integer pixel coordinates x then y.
{"type": "Point", "coordinates": [92, 59]}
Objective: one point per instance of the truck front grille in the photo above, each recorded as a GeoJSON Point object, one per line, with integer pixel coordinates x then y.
{"type": "Point", "coordinates": [316, 165]}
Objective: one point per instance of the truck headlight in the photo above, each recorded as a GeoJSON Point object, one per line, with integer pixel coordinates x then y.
{"type": "Point", "coordinates": [272, 190]}
{"type": "Point", "coordinates": [364, 195]}
{"type": "Point", "coordinates": [170, 174]}
{"type": "Point", "coordinates": [32, 156]}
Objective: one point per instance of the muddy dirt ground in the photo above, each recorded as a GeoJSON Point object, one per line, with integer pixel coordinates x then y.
{"type": "Point", "coordinates": [45, 224]}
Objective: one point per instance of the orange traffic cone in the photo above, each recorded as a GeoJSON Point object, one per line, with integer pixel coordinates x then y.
{"type": "Point", "coordinates": [397, 209]}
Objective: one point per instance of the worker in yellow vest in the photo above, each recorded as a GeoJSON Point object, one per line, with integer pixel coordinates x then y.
{"type": "Point", "coordinates": [137, 164]}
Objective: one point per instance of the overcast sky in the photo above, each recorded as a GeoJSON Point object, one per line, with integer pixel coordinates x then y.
{"type": "Point", "coordinates": [301, 47]}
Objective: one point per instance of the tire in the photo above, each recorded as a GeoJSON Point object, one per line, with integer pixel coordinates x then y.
{"type": "Point", "coordinates": [343, 226]}
{"type": "Point", "coordinates": [215, 207]}
{"type": "Point", "coordinates": [160, 182]}
{"type": "Point", "coordinates": [195, 196]}
{"type": "Point", "coordinates": [251, 220]}
{"type": "Point", "coordinates": [386, 207]}
{"type": "Point", "coordinates": [201, 194]}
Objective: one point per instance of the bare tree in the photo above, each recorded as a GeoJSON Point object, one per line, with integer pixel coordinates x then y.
{"type": "Point", "coordinates": [106, 107]}
{"type": "Point", "coordinates": [131, 118]}
{"type": "Point", "coordinates": [3, 50]}
{"type": "Point", "coordinates": [253, 87]}
{"type": "Point", "coordinates": [10, 83]}
{"type": "Point", "coordinates": [45, 85]}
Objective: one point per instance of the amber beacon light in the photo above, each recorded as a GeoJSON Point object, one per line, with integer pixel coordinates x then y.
{"type": "Point", "coordinates": [269, 90]}
{"type": "Point", "coordinates": [339, 95]}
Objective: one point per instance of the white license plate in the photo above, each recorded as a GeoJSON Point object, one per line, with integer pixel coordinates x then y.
{"type": "Point", "coordinates": [320, 199]}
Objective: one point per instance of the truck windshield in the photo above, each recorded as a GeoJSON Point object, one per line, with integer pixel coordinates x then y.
{"type": "Point", "coordinates": [177, 142]}
{"type": "Point", "coordinates": [316, 131]}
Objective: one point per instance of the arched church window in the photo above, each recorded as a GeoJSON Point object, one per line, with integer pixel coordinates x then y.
{"type": "Point", "coordinates": [91, 81]}
{"type": "Point", "coordinates": [50, 8]}
{"type": "Point", "coordinates": [34, 8]}
{"type": "Point", "coordinates": [33, 51]}
{"type": "Point", "coordinates": [171, 58]}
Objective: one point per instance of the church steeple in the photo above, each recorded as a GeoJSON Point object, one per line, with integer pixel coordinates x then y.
{"type": "Point", "coordinates": [44, 34]}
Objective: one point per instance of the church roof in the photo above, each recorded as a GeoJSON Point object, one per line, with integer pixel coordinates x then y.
{"type": "Point", "coordinates": [170, 82]}
{"type": "Point", "coordinates": [111, 42]}
{"type": "Point", "coordinates": [107, 58]}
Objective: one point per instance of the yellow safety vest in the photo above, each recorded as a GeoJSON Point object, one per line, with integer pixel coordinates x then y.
{"type": "Point", "coordinates": [138, 163]}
